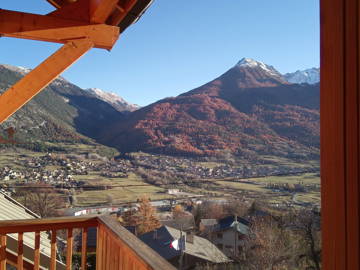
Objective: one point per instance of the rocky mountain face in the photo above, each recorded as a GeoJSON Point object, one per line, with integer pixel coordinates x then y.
{"type": "Point", "coordinates": [249, 110]}
{"type": "Point", "coordinates": [310, 76]}
{"type": "Point", "coordinates": [62, 112]}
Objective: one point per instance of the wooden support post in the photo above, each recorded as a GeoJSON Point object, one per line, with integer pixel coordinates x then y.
{"type": "Point", "coordinates": [69, 249]}
{"type": "Point", "coordinates": [20, 251]}
{"type": "Point", "coordinates": [53, 251]}
{"type": "Point", "coordinates": [37, 251]}
{"type": "Point", "coordinates": [3, 252]}
{"type": "Point", "coordinates": [84, 248]}
{"type": "Point", "coordinates": [29, 86]}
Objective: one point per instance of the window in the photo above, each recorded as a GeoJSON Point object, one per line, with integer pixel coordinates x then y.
{"type": "Point", "coordinates": [219, 235]}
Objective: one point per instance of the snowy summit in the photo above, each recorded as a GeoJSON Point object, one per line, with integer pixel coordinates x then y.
{"type": "Point", "coordinates": [251, 63]}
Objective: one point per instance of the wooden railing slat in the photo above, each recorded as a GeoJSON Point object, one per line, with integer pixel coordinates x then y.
{"type": "Point", "coordinates": [99, 247]}
{"type": "Point", "coordinates": [84, 248]}
{"type": "Point", "coordinates": [108, 241]}
{"type": "Point", "coordinates": [53, 250]}
{"type": "Point", "coordinates": [69, 249]}
{"type": "Point", "coordinates": [37, 251]}
{"type": "Point", "coordinates": [3, 252]}
{"type": "Point", "coordinates": [20, 251]}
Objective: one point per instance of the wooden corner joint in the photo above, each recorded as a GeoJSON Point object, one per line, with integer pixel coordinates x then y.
{"type": "Point", "coordinates": [54, 29]}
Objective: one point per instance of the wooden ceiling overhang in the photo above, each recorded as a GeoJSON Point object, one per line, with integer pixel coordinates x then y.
{"type": "Point", "coordinates": [78, 24]}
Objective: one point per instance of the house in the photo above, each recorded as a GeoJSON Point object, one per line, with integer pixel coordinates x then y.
{"type": "Point", "coordinates": [10, 210]}
{"type": "Point", "coordinates": [207, 225]}
{"type": "Point", "coordinates": [197, 249]}
{"type": "Point", "coordinates": [229, 235]}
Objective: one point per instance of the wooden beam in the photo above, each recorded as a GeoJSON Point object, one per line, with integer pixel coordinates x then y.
{"type": "Point", "coordinates": [53, 29]}
{"type": "Point", "coordinates": [100, 10]}
{"type": "Point", "coordinates": [102, 36]}
{"type": "Point", "coordinates": [47, 224]}
{"type": "Point", "coordinates": [30, 85]}
{"type": "Point", "coordinates": [79, 11]}
{"type": "Point", "coordinates": [122, 11]}
{"type": "Point", "coordinates": [14, 21]}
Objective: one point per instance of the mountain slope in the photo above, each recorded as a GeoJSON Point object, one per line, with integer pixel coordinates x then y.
{"type": "Point", "coordinates": [62, 112]}
{"type": "Point", "coordinates": [249, 110]}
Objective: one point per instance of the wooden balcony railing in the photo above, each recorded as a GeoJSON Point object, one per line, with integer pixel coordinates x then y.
{"type": "Point", "coordinates": [116, 247]}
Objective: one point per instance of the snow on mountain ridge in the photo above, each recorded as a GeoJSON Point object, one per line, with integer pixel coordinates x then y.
{"type": "Point", "coordinates": [249, 62]}
{"type": "Point", "coordinates": [310, 76]}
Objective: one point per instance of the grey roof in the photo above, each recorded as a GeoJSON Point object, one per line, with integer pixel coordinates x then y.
{"type": "Point", "coordinates": [12, 210]}
{"type": "Point", "coordinates": [242, 225]}
{"type": "Point", "coordinates": [201, 247]}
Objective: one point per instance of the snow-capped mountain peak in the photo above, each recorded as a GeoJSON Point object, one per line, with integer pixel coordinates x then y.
{"type": "Point", "coordinates": [251, 63]}
{"type": "Point", "coordinates": [310, 76]}
{"type": "Point", "coordinates": [113, 99]}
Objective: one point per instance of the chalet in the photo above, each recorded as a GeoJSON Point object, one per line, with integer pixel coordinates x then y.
{"type": "Point", "coordinates": [197, 249]}
{"type": "Point", "coordinates": [229, 235]}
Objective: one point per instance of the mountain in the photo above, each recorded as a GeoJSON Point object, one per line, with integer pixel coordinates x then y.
{"type": "Point", "coordinates": [249, 110]}
{"type": "Point", "coordinates": [114, 100]}
{"type": "Point", "coordinates": [310, 76]}
{"type": "Point", "coordinates": [62, 111]}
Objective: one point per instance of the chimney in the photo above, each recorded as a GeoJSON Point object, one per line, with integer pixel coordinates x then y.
{"type": "Point", "coordinates": [155, 235]}
{"type": "Point", "coordinates": [190, 237]}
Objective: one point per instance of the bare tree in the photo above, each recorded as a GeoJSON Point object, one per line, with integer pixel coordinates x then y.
{"type": "Point", "coordinates": [41, 199]}
{"type": "Point", "coordinates": [268, 246]}
{"type": "Point", "coordinates": [306, 224]}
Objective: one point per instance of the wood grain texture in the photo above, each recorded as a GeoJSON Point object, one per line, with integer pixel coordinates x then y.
{"type": "Point", "coordinates": [340, 133]}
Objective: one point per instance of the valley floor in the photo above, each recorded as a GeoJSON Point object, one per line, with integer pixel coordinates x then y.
{"type": "Point", "coordinates": [83, 177]}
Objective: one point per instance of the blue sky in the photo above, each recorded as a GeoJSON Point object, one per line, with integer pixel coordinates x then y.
{"type": "Point", "coordinates": [181, 44]}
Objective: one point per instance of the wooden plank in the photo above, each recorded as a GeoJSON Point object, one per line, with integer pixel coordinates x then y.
{"type": "Point", "coordinates": [69, 249]}
{"type": "Point", "coordinates": [3, 252]}
{"type": "Point", "coordinates": [99, 248]}
{"type": "Point", "coordinates": [133, 247]}
{"type": "Point", "coordinates": [121, 13]}
{"type": "Point", "coordinates": [333, 195]}
{"type": "Point", "coordinates": [20, 251]}
{"type": "Point", "coordinates": [37, 79]}
{"type": "Point", "coordinates": [37, 251]}
{"type": "Point", "coordinates": [53, 250]}
{"type": "Point", "coordinates": [84, 248]}
{"type": "Point", "coordinates": [108, 246]}
{"type": "Point", "coordinates": [352, 132]}
{"type": "Point", "coordinates": [100, 10]}
{"type": "Point", "coordinates": [15, 21]}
